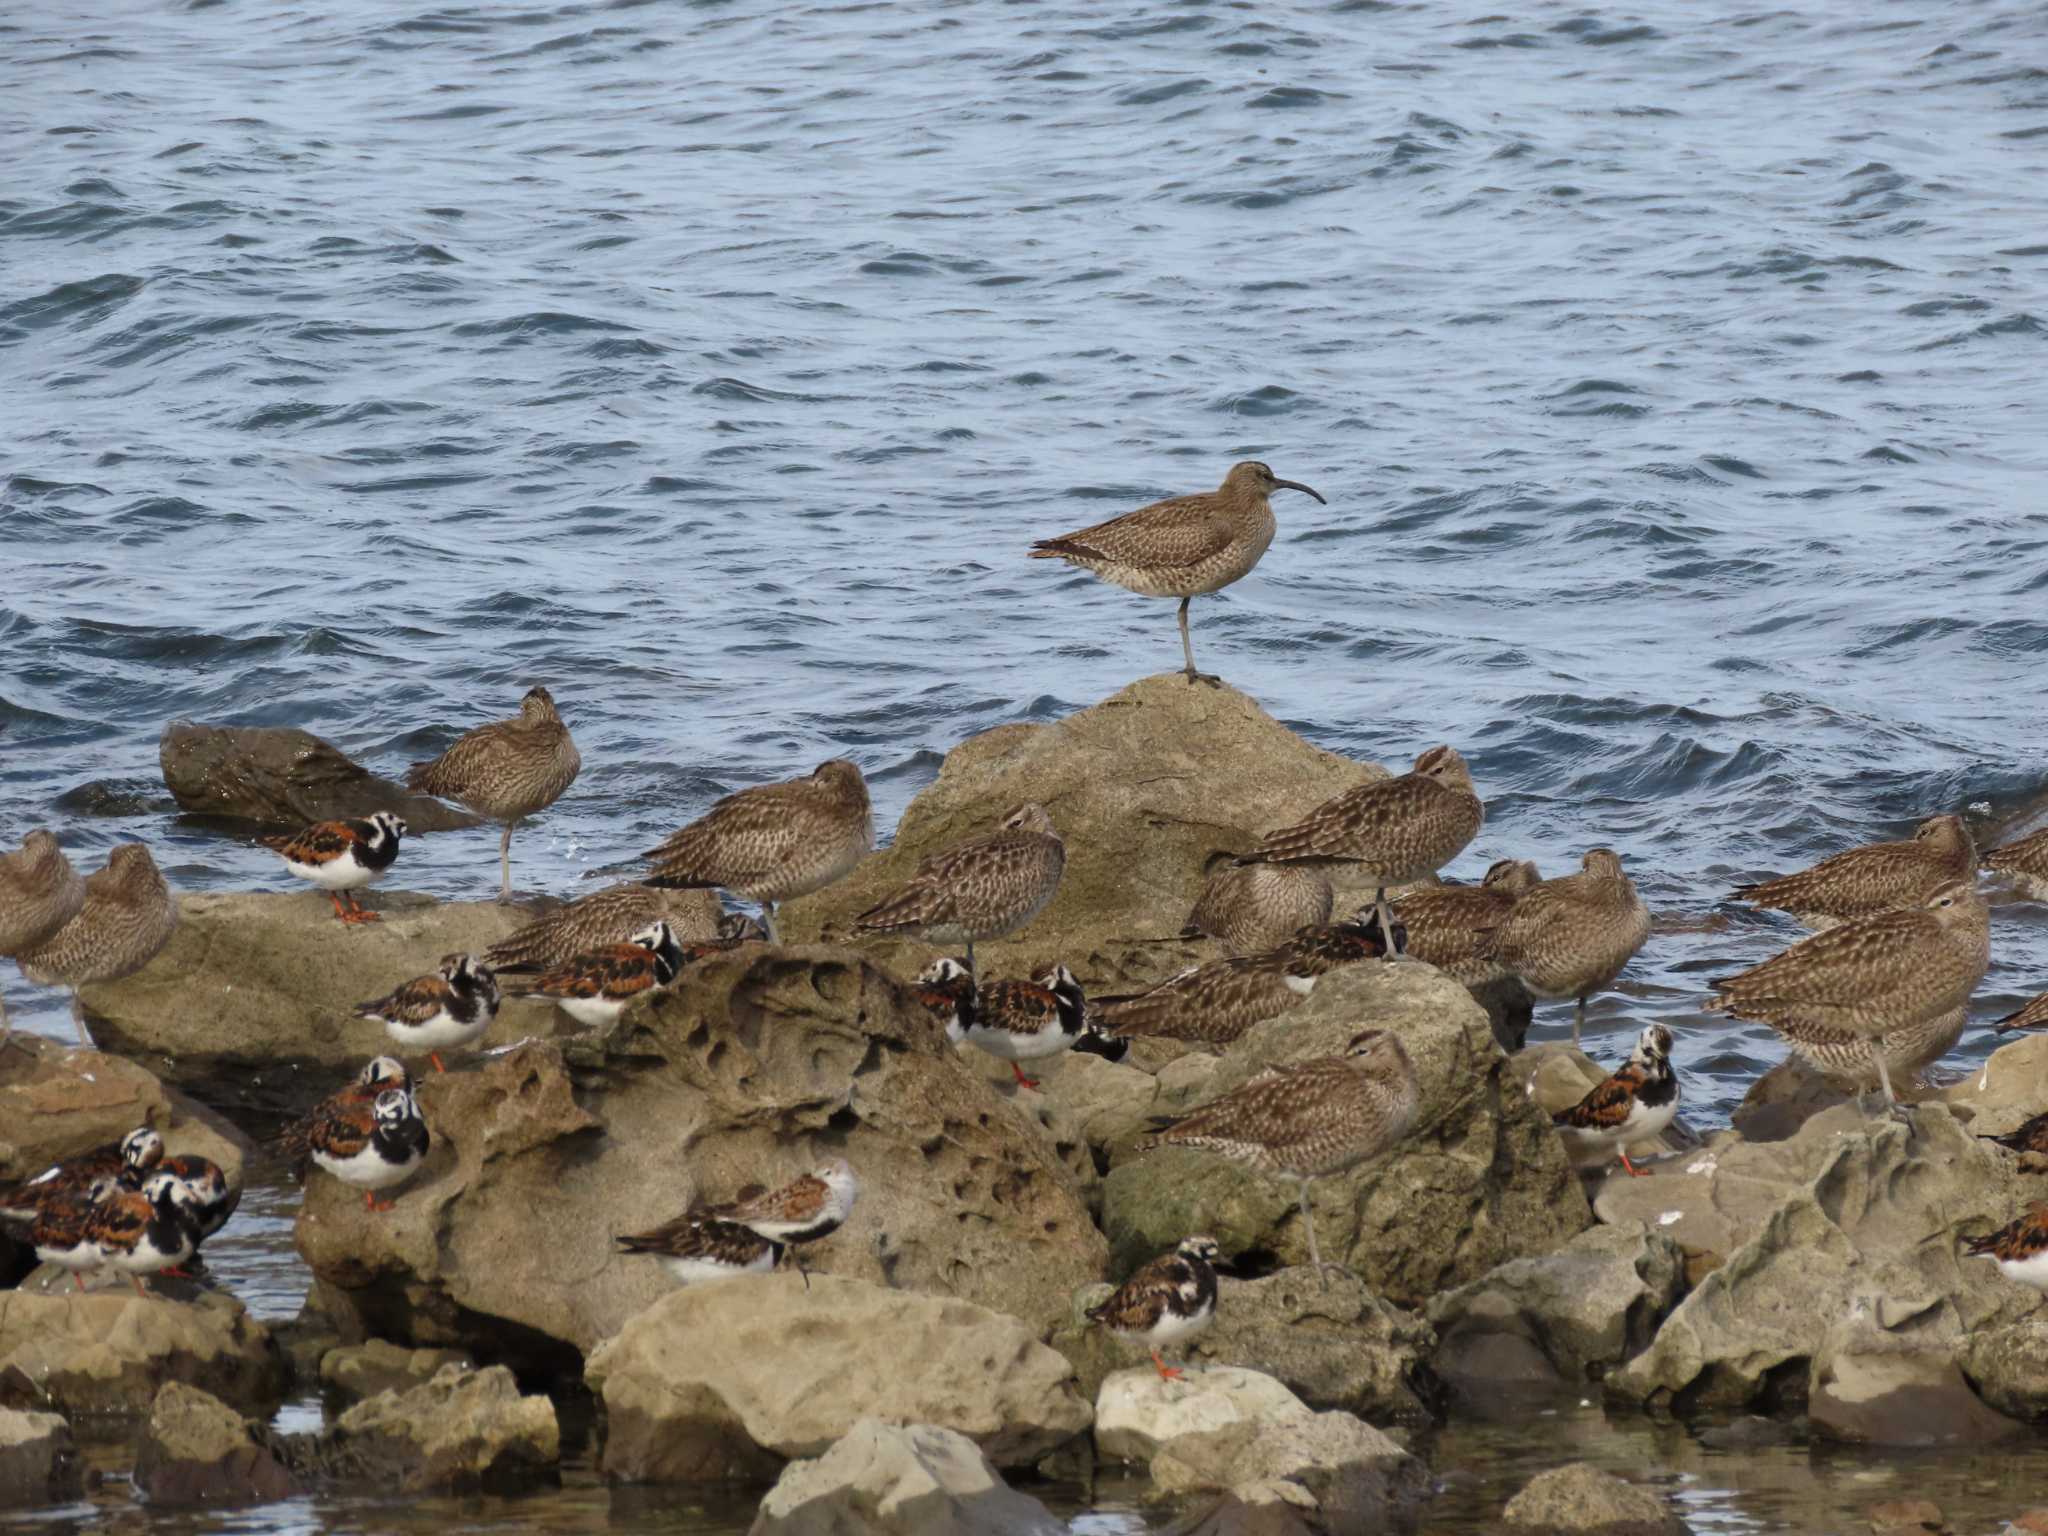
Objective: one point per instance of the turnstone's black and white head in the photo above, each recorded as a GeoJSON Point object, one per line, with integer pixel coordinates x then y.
{"type": "Point", "coordinates": [1019, 1021]}
{"type": "Point", "coordinates": [342, 856]}
{"type": "Point", "coordinates": [372, 1144]}
{"type": "Point", "coordinates": [2020, 1248]}
{"type": "Point", "coordinates": [452, 1007]}
{"type": "Point", "coordinates": [946, 988]}
{"type": "Point", "coordinates": [144, 1231]}
{"type": "Point", "coordinates": [129, 1159]}
{"type": "Point", "coordinates": [1170, 1299]}
{"type": "Point", "coordinates": [214, 1200]}
{"type": "Point", "coordinates": [1637, 1102]}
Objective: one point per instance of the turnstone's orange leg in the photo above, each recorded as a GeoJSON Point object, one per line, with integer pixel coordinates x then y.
{"type": "Point", "coordinates": [371, 1202]}
{"type": "Point", "coordinates": [358, 913]}
{"type": "Point", "coordinates": [138, 1286]}
{"type": "Point", "coordinates": [339, 910]}
{"type": "Point", "coordinates": [78, 1279]}
{"type": "Point", "coordinates": [435, 1058]}
{"type": "Point", "coordinates": [1633, 1171]}
{"type": "Point", "coordinates": [1166, 1372]}
{"type": "Point", "coordinates": [178, 1271]}
{"type": "Point", "coordinates": [1022, 1080]}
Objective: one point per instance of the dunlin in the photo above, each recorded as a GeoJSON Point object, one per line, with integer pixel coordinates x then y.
{"type": "Point", "coordinates": [980, 889]}
{"type": "Point", "coordinates": [1170, 1299]}
{"type": "Point", "coordinates": [506, 771]}
{"type": "Point", "coordinates": [1878, 877]}
{"type": "Point", "coordinates": [695, 1248]}
{"type": "Point", "coordinates": [1570, 937]}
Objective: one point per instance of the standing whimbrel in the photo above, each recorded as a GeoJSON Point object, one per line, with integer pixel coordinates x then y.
{"type": "Point", "coordinates": [1570, 937]}
{"type": "Point", "coordinates": [980, 889]}
{"type": "Point", "coordinates": [39, 893]}
{"type": "Point", "coordinates": [1844, 997]}
{"type": "Point", "coordinates": [1392, 831]}
{"type": "Point", "coordinates": [506, 771]}
{"type": "Point", "coordinates": [2024, 862]}
{"type": "Point", "coordinates": [1309, 1120]}
{"type": "Point", "coordinates": [1878, 877]}
{"type": "Point", "coordinates": [774, 841]}
{"type": "Point", "coordinates": [1184, 546]}
{"type": "Point", "coordinates": [1255, 907]}
{"type": "Point", "coordinates": [127, 917]}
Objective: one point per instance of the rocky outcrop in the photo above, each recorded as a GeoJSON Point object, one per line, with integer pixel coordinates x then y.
{"type": "Point", "coordinates": [1886, 1375]}
{"type": "Point", "coordinates": [1338, 1472]}
{"type": "Point", "coordinates": [195, 1449]}
{"type": "Point", "coordinates": [38, 1460]}
{"type": "Point", "coordinates": [284, 778]}
{"type": "Point", "coordinates": [899, 1480]}
{"type": "Point", "coordinates": [752, 1068]}
{"type": "Point", "coordinates": [364, 1370]}
{"type": "Point", "coordinates": [2008, 1366]}
{"type": "Point", "coordinates": [705, 1385]}
{"type": "Point", "coordinates": [1594, 1303]}
{"type": "Point", "coordinates": [1139, 1413]}
{"type": "Point", "coordinates": [1581, 1500]}
{"type": "Point", "coordinates": [462, 1432]}
{"type": "Point", "coordinates": [1481, 1179]}
{"type": "Point", "coordinates": [108, 1352]}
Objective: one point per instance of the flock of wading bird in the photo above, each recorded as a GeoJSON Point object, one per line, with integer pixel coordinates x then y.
{"type": "Point", "coordinates": [1877, 993]}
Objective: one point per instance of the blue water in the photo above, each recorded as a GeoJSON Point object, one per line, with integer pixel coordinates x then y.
{"type": "Point", "coordinates": [1673, 374]}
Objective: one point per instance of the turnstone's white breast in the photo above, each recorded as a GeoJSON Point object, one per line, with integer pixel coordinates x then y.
{"type": "Point", "coordinates": [452, 1007]}
{"type": "Point", "coordinates": [343, 856]}
{"type": "Point", "coordinates": [1019, 1021]}
{"type": "Point", "coordinates": [142, 1231]}
{"type": "Point", "coordinates": [1168, 1300]}
{"type": "Point", "coordinates": [599, 985]}
{"type": "Point", "coordinates": [1637, 1102]}
{"type": "Point", "coordinates": [374, 1145]}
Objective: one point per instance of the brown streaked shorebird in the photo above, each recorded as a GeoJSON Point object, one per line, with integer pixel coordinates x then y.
{"type": "Point", "coordinates": [980, 889]}
{"type": "Point", "coordinates": [128, 916]}
{"type": "Point", "coordinates": [1447, 924]}
{"type": "Point", "coordinates": [1570, 937]}
{"type": "Point", "coordinates": [608, 916]}
{"type": "Point", "coordinates": [505, 771]}
{"type": "Point", "coordinates": [1251, 908]}
{"type": "Point", "coordinates": [1878, 877]}
{"type": "Point", "coordinates": [773, 842]}
{"type": "Point", "coordinates": [2032, 1014]}
{"type": "Point", "coordinates": [1183, 547]}
{"type": "Point", "coordinates": [2023, 862]}
{"type": "Point", "coordinates": [39, 893]}
{"type": "Point", "coordinates": [1844, 998]}
{"type": "Point", "coordinates": [1393, 831]}
{"type": "Point", "coordinates": [1309, 1120]}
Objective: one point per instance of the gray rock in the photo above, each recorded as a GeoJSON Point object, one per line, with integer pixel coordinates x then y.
{"type": "Point", "coordinates": [195, 1449]}
{"type": "Point", "coordinates": [38, 1460]}
{"type": "Point", "coordinates": [884, 1479]}
{"type": "Point", "coordinates": [1888, 1376]}
{"type": "Point", "coordinates": [1354, 1477]}
{"type": "Point", "coordinates": [284, 778]}
{"type": "Point", "coordinates": [1139, 1413]}
{"type": "Point", "coordinates": [463, 1431]}
{"type": "Point", "coordinates": [2009, 1366]}
{"type": "Point", "coordinates": [1581, 1500]}
{"type": "Point", "coordinates": [377, 1365]}
{"type": "Point", "coordinates": [105, 1352]}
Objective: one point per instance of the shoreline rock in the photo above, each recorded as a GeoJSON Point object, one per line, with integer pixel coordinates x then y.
{"type": "Point", "coordinates": [107, 1353]}
{"type": "Point", "coordinates": [284, 778]}
{"type": "Point", "coordinates": [884, 1479]}
{"type": "Point", "coordinates": [39, 1461]}
{"type": "Point", "coordinates": [195, 1449]}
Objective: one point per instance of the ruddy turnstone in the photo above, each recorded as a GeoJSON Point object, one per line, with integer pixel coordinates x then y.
{"type": "Point", "coordinates": [1878, 877]}
{"type": "Point", "coordinates": [2030, 1015]}
{"type": "Point", "coordinates": [1393, 831]}
{"type": "Point", "coordinates": [1570, 937]}
{"type": "Point", "coordinates": [343, 856]}
{"type": "Point", "coordinates": [39, 893]}
{"type": "Point", "coordinates": [148, 1230]}
{"type": "Point", "coordinates": [1170, 1299]}
{"type": "Point", "coordinates": [609, 916]}
{"type": "Point", "coordinates": [453, 1006]}
{"type": "Point", "coordinates": [505, 771]}
{"type": "Point", "coordinates": [2024, 863]}
{"type": "Point", "coordinates": [1841, 997]}
{"type": "Point", "coordinates": [1020, 1021]}
{"type": "Point", "coordinates": [379, 1075]}
{"type": "Point", "coordinates": [128, 917]}
{"type": "Point", "coordinates": [980, 889]}
{"type": "Point", "coordinates": [1635, 1103]}
{"type": "Point", "coordinates": [372, 1146]}
{"type": "Point", "coordinates": [131, 1158]}
{"type": "Point", "coordinates": [599, 985]}
{"type": "Point", "coordinates": [61, 1233]}
{"type": "Point", "coordinates": [694, 1248]}
{"type": "Point", "coordinates": [1309, 1120]}
{"type": "Point", "coordinates": [948, 992]}
{"type": "Point", "coordinates": [214, 1198]}
{"type": "Point", "coordinates": [773, 842]}
{"type": "Point", "coordinates": [1250, 908]}
{"type": "Point", "coordinates": [2020, 1248]}
{"type": "Point", "coordinates": [1183, 547]}
{"type": "Point", "coordinates": [2031, 1137]}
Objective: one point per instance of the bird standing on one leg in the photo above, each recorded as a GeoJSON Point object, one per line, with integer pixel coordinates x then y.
{"type": "Point", "coordinates": [506, 771]}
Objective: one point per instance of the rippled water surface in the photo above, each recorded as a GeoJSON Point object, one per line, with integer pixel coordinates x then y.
{"type": "Point", "coordinates": [1673, 373]}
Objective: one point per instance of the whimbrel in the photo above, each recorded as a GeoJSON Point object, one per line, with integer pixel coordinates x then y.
{"type": "Point", "coordinates": [2032, 1014]}
{"type": "Point", "coordinates": [1874, 878]}
{"type": "Point", "coordinates": [1170, 1299]}
{"type": "Point", "coordinates": [505, 771]}
{"type": "Point", "coordinates": [2023, 862]}
{"type": "Point", "coordinates": [39, 893]}
{"type": "Point", "coordinates": [1637, 1101]}
{"type": "Point", "coordinates": [980, 889]}
{"type": "Point", "coordinates": [1570, 937]}
{"type": "Point", "coordinates": [1447, 924]}
{"type": "Point", "coordinates": [773, 842]}
{"type": "Point", "coordinates": [1182, 547]}
{"type": "Point", "coordinates": [1309, 1120]}
{"type": "Point", "coordinates": [128, 916]}
{"type": "Point", "coordinates": [1254, 907]}
{"type": "Point", "coordinates": [608, 916]}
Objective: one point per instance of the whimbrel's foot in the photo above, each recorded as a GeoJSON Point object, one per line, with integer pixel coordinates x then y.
{"type": "Point", "coordinates": [1203, 677]}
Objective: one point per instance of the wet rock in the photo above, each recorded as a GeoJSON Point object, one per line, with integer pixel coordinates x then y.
{"type": "Point", "coordinates": [195, 1449]}
{"type": "Point", "coordinates": [1481, 1179]}
{"type": "Point", "coordinates": [1887, 1375]}
{"type": "Point", "coordinates": [1587, 1307]}
{"type": "Point", "coordinates": [1581, 1500]}
{"type": "Point", "coordinates": [704, 1385]}
{"type": "Point", "coordinates": [1906, 1515]}
{"type": "Point", "coordinates": [2009, 1366]}
{"type": "Point", "coordinates": [38, 1460]}
{"type": "Point", "coordinates": [884, 1479]}
{"type": "Point", "coordinates": [1267, 1509]}
{"type": "Point", "coordinates": [1138, 1413]}
{"type": "Point", "coordinates": [1353, 1477]}
{"type": "Point", "coordinates": [108, 1352]}
{"type": "Point", "coordinates": [1847, 1207]}
{"type": "Point", "coordinates": [462, 1432]}
{"type": "Point", "coordinates": [752, 1068]}
{"type": "Point", "coordinates": [284, 778]}
{"type": "Point", "coordinates": [364, 1370]}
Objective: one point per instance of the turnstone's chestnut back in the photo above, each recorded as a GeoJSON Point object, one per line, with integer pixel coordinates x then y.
{"type": "Point", "coordinates": [595, 987]}
{"type": "Point", "coordinates": [128, 1160]}
{"type": "Point", "coordinates": [609, 916]}
{"type": "Point", "coordinates": [143, 1231]}
{"type": "Point", "coordinates": [2019, 1248]}
{"type": "Point", "coordinates": [506, 771]}
{"type": "Point", "coordinates": [980, 889]}
{"type": "Point", "coordinates": [381, 1073]}
{"type": "Point", "coordinates": [806, 1210]}
{"type": "Point", "coordinates": [374, 1145]}
{"type": "Point", "coordinates": [1019, 1021]}
{"type": "Point", "coordinates": [2030, 1137]}
{"type": "Point", "coordinates": [452, 1007]}
{"type": "Point", "coordinates": [340, 857]}
{"type": "Point", "coordinates": [695, 1248]}
{"type": "Point", "coordinates": [1170, 1299]}
{"type": "Point", "coordinates": [1878, 877]}
{"type": "Point", "coordinates": [1637, 1102]}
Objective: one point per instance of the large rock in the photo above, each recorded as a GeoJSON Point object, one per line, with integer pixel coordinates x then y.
{"type": "Point", "coordinates": [1581, 1500]}
{"type": "Point", "coordinates": [364, 1370]}
{"type": "Point", "coordinates": [752, 1068]}
{"type": "Point", "coordinates": [462, 1432]}
{"type": "Point", "coordinates": [285, 778]}
{"type": "Point", "coordinates": [195, 1449]}
{"type": "Point", "coordinates": [731, 1379]}
{"type": "Point", "coordinates": [1139, 1413]}
{"type": "Point", "coordinates": [38, 1460]}
{"type": "Point", "coordinates": [1845, 1209]}
{"type": "Point", "coordinates": [108, 1352]}
{"type": "Point", "coordinates": [1586, 1308]}
{"type": "Point", "coordinates": [899, 1480]}
{"type": "Point", "coordinates": [1481, 1179]}
{"type": "Point", "coordinates": [2008, 1366]}
{"type": "Point", "coordinates": [1356, 1477]}
{"type": "Point", "coordinates": [1882, 1378]}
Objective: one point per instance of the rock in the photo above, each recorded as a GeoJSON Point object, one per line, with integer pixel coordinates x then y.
{"type": "Point", "coordinates": [1581, 1500]}
{"type": "Point", "coordinates": [1906, 1514]}
{"type": "Point", "coordinates": [899, 1480]}
{"type": "Point", "coordinates": [1845, 1208]}
{"type": "Point", "coordinates": [1587, 1307]}
{"type": "Point", "coordinates": [1557, 1075]}
{"type": "Point", "coordinates": [705, 1385]}
{"type": "Point", "coordinates": [463, 1432]}
{"type": "Point", "coordinates": [1138, 1413]}
{"type": "Point", "coordinates": [195, 1449]}
{"type": "Point", "coordinates": [1266, 1509]}
{"type": "Point", "coordinates": [1481, 1179]}
{"type": "Point", "coordinates": [364, 1370]}
{"type": "Point", "coordinates": [753, 1067]}
{"type": "Point", "coordinates": [108, 1352]}
{"type": "Point", "coordinates": [1334, 1346]}
{"type": "Point", "coordinates": [284, 778]}
{"type": "Point", "coordinates": [38, 1460]}
{"type": "Point", "coordinates": [2009, 1366]}
{"type": "Point", "coordinates": [1353, 1477]}
{"type": "Point", "coordinates": [1886, 1375]}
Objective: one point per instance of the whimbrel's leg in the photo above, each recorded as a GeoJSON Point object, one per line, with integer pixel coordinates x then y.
{"type": "Point", "coordinates": [7, 1032]}
{"type": "Point", "coordinates": [1187, 650]}
{"type": "Point", "coordinates": [1578, 1022]}
{"type": "Point", "coordinates": [973, 975]}
{"type": "Point", "coordinates": [1897, 1110]}
{"type": "Point", "coordinates": [1386, 923]}
{"type": "Point", "coordinates": [505, 863]}
{"type": "Point", "coordinates": [768, 922]}
{"type": "Point", "coordinates": [78, 1018]}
